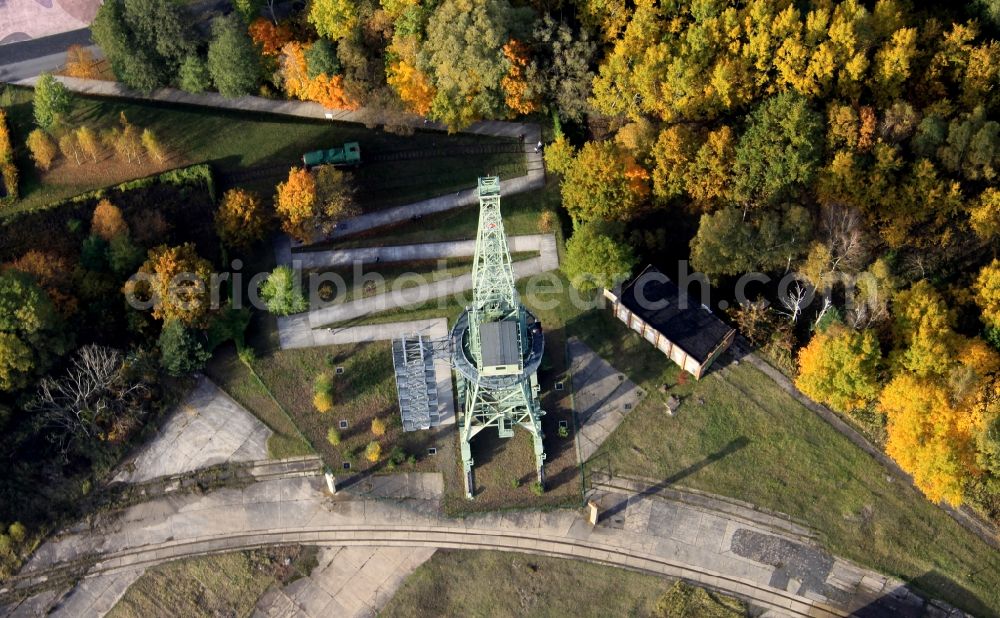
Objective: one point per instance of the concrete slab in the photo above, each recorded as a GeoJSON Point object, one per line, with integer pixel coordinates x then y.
{"type": "Point", "coordinates": [602, 396]}
{"type": "Point", "coordinates": [207, 428]}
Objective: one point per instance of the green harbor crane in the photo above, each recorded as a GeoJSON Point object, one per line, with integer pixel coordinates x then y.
{"type": "Point", "coordinates": [496, 345]}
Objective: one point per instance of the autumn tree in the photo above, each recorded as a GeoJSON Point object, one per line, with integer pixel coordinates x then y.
{"type": "Point", "coordinates": [334, 19]}
{"type": "Point", "coordinates": [923, 330]}
{"type": "Point", "coordinates": [709, 176]}
{"type": "Point", "coordinates": [987, 289]}
{"type": "Point", "coordinates": [269, 37]}
{"type": "Point", "coordinates": [241, 219]}
{"type": "Point", "coordinates": [90, 144]}
{"type": "Point", "coordinates": [51, 102]}
{"type": "Point", "coordinates": [69, 147]}
{"type": "Point", "coordinates": [675, 151]}
{"type": "Point", "coordinates": [984, 215]}
{"type": "Point", "coordinates": [328, 90]}
{"type": "Point", "coordinates": [840, 368]}
{"type": "Point", "coordinates": [466, 38]}
{"type": "Point", "coordinates": [519, 94]}
{"type": "Point", "coordinates": [43, 149]}
{"type": "Point", "coordinates": [31, 330]}
{"type": "Point", "coordinates": [53, 273]}
{"type": "Point", "coordinates": [174, 281]}
{"type": "Point", "coordinates": [603, 183]}
{"type": "Point", "coordinates": [80, 63]}
{"type": "Point", "coordinates": [232, 59]}
{"type": "Point", "coordinates": [108, 221]}
{"type": "Point", "coordinates": [153, 146]}
{"type": "Point", "coordinates": [596, 257]}
{"type": "Point", "coordinates": [929, 436]}
{"type": "Point", "coordinates": [295, 203]}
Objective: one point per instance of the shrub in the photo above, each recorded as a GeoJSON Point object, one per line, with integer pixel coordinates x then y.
{"type": "Point", "coordinates": [515, 483]}
{"type": "Point", "coordinates": [17, 532]}
{"type": "Point", "coordinates": [563, 432]}
{"type": "Point", "coordinates": [537, 489]}
{"type": "Point", "coordinates": [378, 427]}
{"type": "Point", "coordinates": [193, 75]}
{"type": "Point", "coordinates": [247, 356]}
{"type": "Point", "coordinates": [373, 451]}
{"type": "Point", "coordinates": [546, 221]}
{"type": "Point", "coordinates": [397, 456]}
{"type": "Point", "coordinates": [333, 436]}
{"type": "Point", "coordinates": [323, 402]}
{"type": "Point", "coordinates": [323, 383]}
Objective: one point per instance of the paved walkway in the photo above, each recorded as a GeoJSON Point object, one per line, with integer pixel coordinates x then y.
{"type": "Point", "coordinates": [602, 397]}
{"type": "Point", "coordinates": [339, 258]}
{"type": "Point", "coordinates": [773, 564]}
{"type": "Point", "coordinates": [206, 429]}
{"type": "Point", "coordinates": [294, 331]}
{"type": "Point", "coordinates": [350, 582]}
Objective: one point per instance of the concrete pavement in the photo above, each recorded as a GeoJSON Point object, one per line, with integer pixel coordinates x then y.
{"type": "Point", "coordinates": [602, 397]}
{"type": "Point", "coordinates": [206, 429]}
{"type": "Point", "coordinates": [339, 258]}
{"type": "Point", "coordinates": [764, 559]}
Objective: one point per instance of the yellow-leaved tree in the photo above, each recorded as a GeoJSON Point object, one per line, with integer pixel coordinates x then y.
{"type": "Point", "coordinates": [840, 368]}
{"type": "Point", "coordinates": [241, 219]}
{"type": "Point", "coordinates": [107, 221]}
{"type": "Point", "coordinates": [174, 281]}
{"type": "Point", "coordinates": [987, 288]}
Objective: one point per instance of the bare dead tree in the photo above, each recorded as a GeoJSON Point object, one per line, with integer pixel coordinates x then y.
{"type": "Point", "coordinates": [793, 300]}
{"type": "Point", "coordinates": [92, 396]}
{"type": "Point", "coordinates": [827, 303]}
{"type": "Point", "coordinates": [844, 231]}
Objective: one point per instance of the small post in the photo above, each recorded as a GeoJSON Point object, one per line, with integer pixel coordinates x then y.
{"type": "Point", "coordinates": [593, 512]}
{"type": "Point", "coordinates": [331, 481]}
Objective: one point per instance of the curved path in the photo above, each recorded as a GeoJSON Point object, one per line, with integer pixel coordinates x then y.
{"type": "Point", "coordinates": [730, 549]}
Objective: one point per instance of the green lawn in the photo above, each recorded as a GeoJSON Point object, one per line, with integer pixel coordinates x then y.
{"type": "Point", "coordinates": [499, 584]}
{"type": "Point", "coordinates": [235, 141]}
{"type": "Point", "coordinates": [520, 216]}
{"type": "Point", "coordinates": [738, 434]}
{"type": "Point", "coordinates": [222, 585]}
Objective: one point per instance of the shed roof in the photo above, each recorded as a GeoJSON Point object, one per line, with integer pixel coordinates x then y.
{"type": "Point", "coordinates": [687, 323]}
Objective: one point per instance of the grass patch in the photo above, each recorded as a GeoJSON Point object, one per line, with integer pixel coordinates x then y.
{"type": "Point", "coordinates": [497, 583]}
{"type": "Point", "coordinates": [520, 216]}
{"type": "Point", "coordinates": [738, 434]}
{"type": "Point", "coordinates": [366, 390]}
{"type": "Point", "coordinates": [234, 141]}
{"type": "Point", "coordinates": [232, 376]}
{"type": "Point", "coordinates": [222, 585]}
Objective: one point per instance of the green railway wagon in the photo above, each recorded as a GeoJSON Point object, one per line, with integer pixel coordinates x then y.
{"type": "Point", "coordinates": [349, 155]}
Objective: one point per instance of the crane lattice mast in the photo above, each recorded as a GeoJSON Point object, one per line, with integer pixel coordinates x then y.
{"type": "Point", "coordinates": [497, 344]}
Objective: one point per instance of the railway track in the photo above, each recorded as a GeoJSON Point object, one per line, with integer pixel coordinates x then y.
{"type": "Point", "coordinates": [429, 536]}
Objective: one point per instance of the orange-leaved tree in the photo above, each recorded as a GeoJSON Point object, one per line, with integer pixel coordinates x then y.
{"type": "Point", "coordinates": [270, 38]}
{"type": "Point", "coordinates": [517, 92]}
{"type": "Point", "coordinates": [325, 89]}
{"type": "Point", "coordinates": [174, 281]}
{"type": "Point", "coordinates": [840, 367]}
{"type": "Point", "coordinates": [295, 203]}
{"type": "Point", "coordinates": [43, 149]}
{"type": "Point", "coordinates": [241, 219]}
{"type": "Point", "coordinates": [53, 273]}
{"type": "Point", "coordinates": [107, 221]}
